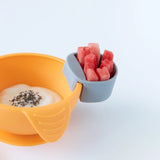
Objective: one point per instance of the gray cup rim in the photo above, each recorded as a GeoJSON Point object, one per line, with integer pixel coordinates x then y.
{"type": "Point", "coordinates": [92, 82]}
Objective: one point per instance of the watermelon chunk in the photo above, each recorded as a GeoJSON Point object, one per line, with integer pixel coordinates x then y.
{"type": "Point", "coordinates": [94, 48]}
{"type": "Point", "coordinates": [107, 55]}
{"type": "Point", "coordinates": [111, 69]}
{"type": "Point", "coordinates": [91, 75]}
{"type": "Point", "coordinates": [89, 58]}
{"type": "Point", "coordinates": [81, 53]}
{"type": "Point", "coordinates": [89, 65]}
{"type": "Point", "coordinates": [108, 64]}
{"type": "Point", "coordinates": [103, 73]}
{"type": "Point", "coordinates": [90, 61]}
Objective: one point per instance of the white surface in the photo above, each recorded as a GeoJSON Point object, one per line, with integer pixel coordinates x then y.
{"type": "Point", "coordinates": [125, 127]}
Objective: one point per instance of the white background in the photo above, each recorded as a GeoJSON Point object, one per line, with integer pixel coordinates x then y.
{"type": "Point", "coordinates": [125, 127]}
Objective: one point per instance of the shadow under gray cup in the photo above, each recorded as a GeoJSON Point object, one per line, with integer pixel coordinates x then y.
{"type": "Point", "coordinates": [92, 91]}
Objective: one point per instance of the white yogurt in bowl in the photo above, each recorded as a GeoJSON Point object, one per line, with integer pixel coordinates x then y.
{"type": "Point", "coordinates": [23, 95]}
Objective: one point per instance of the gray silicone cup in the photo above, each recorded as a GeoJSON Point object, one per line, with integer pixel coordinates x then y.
{"type": "Point", "coordinates": [92, 91]}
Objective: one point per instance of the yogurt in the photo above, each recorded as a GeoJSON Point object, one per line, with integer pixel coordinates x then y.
{"type": "Point", "coordinates": [23, 95]}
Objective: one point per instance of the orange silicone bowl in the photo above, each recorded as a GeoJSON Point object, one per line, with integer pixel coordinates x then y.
{"type": "Point", "coordinates": [35, 125]}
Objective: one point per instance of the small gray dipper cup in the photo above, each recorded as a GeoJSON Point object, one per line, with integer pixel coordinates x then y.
{"type": "Point", "coordinates": [92, 91]}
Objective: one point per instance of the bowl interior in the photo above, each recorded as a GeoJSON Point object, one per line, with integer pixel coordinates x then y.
{"type": "Point", "coordinates": [34, 70]}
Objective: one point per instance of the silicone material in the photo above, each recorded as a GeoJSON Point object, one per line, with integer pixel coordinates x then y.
{"type": "Point", "coordinates": [35, 125]}
{"type": "Point", "coordinates": [92, 91]}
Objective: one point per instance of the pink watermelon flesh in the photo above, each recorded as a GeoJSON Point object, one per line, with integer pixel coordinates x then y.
{"type": "Point", "coordinates": [105, 63]}
{"type": "Point", "coordinates": [90, 61]}
{"type": "Point", "coordinates": [81, 53]}
{"type": "Point", "coordinates": [103, 73]}
{"type": "Point", "coordinates": [108, 64]}
{"type": "Point", "coordinates": [89, 57]}
{"type": "Point", "coordinates": [107, 55]}
{"type": "Point", "coordinates": [111, 69]}
{"type": "Point", "coordinates": [89, 66]}
{"type": "Point", "coordinates": [94, 48]}
{"type": "Point", "coordinates": [91, 75]}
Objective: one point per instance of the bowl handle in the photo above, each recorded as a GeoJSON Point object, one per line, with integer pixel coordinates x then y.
{"type": "Point", "coordinates": [50, 123]}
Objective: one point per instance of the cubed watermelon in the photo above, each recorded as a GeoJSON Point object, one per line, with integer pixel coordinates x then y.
{"type": "Point", "coordinates": [91, 75]}
{"type": "Point", "coordinates": [111, 69]}
{"type": "Point", "coordinates": [89, 57]}
{"type": "Point", "coordinates": [108, 64]}
{"type": "Point", "coordinates": [94, 48]}
{"type": "Point", "coordinates": [103, 73]}
{"type": "Point", "coordinates": [90, 61]}
{"type": "Point", "coordinates": [81, 53]}
{"type": "Point", "coordinates": [89, 65]}
{"type": "Point", "coordinates": [107, 55]}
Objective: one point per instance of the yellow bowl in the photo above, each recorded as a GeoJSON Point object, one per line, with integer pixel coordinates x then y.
{"type": "Point", "coordinates": [35, 125]}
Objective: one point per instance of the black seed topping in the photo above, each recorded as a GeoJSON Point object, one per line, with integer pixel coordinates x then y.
{"type": "Point", "coordinates": [25, 98]}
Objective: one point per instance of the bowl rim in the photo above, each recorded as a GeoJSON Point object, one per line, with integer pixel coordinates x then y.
{"type": "Point", "coordinates": [59, 60]}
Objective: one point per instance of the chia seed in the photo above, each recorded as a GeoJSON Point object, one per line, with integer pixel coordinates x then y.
{"type": "Point", "coordinates": [24, 98]}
